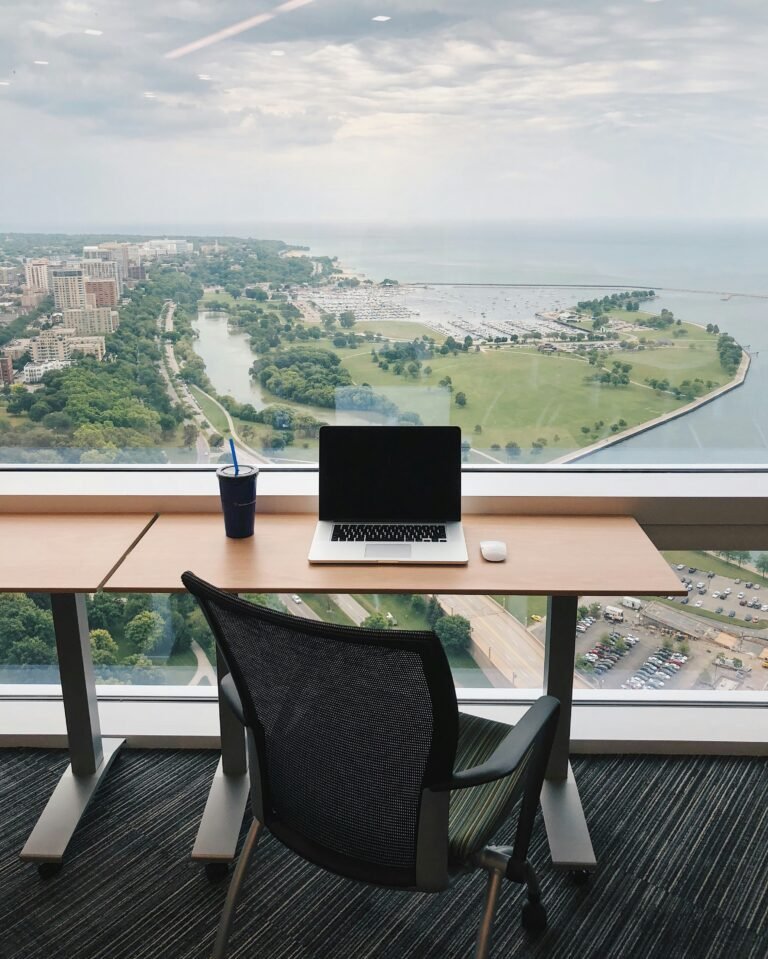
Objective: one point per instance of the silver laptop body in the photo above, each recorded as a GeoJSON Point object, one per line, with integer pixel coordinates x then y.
{"type": "Point", "coordinates": [389, 494]}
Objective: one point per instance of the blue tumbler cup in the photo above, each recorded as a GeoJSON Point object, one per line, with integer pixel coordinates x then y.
{"type": "Point", "coordinates": [238, 499]}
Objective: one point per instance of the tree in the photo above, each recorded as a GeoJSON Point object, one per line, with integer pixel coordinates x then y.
{"type": "Point", "coordinates": [454, 632]}
{"type": "Point", "coordinates": [434, 611]}
{"type": "Point", "coordinates": [144, 631]}
{"type": "Point", "coordinates": [583, 611]}
{"type": "Point", "coordinates": [347, 319]}
{"type": "Point", "coordinates": [104, 649]}
{"type": "Point", "coordinates": [418, 603]}
{"type": "Point", "coordinates": [106, 612]}
{"type": "Point", "coordinates": [762, 563]}
{"type": "Point", "coordinates": [513, 449]}
{"type": "Point", "coordinates": [461, 399]}
{"type": "Point", "coordinates": [190, 434]}
{"type": "Point", "coordinates": [375, 621]}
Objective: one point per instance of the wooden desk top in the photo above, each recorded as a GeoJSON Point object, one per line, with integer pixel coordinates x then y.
{"type": "Point", "coordinates": [64, 553]}
{"type": "Point", "coordinates": [547, 555]}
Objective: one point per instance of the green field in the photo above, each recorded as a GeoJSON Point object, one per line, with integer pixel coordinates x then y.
{"type": "Point", "coordinates": [523, 607]}
{"type": "Point", "coordinates": [397, 604]}
{"type": "Point", "coordinates": [326, 609]}
{"type": "Point", "coordinates": [706, 561]}
{"type": "Point", "coordinates": [521, 395]}
{"type": "Point", "coordinates": [222, 297]}
{"type": "Point", "coordinates": [398, 331]}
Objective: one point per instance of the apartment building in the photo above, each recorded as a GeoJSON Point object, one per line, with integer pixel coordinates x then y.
{"type": "Point", "coordinates": [68, 288]}
{"type": "Point", "coordinates": [101, 292]}
{"type": "Point", "coordinates": [103, 270]}
{"type": "Point", "coordinates": [6, 371]}
{"type": "Point", "coordinates": [34, 372]}
{"type": "Point", "coordinates": [60, 343]}
{"type": "Point", "coordinates": [37, 275]}
{"type": "Point", "coordinates": [91, 321]}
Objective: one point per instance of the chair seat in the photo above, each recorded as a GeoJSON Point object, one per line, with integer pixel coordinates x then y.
{"type": "Point", "coordinates": [478, 811]}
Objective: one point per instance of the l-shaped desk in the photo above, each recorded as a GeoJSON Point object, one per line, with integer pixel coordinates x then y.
{"type": "Point", "coordinates": [562, 557]}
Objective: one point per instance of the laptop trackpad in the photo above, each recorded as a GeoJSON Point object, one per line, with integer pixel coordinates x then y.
{"type": "Point", "coordinates": [389, 551]}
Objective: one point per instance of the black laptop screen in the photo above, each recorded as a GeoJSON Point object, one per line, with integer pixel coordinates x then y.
{"type": "Point", "coordinates": [390, 473]}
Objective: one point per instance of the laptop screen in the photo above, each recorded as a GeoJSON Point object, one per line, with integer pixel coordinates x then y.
{"type": "Point", "coordinates": [390, 473]}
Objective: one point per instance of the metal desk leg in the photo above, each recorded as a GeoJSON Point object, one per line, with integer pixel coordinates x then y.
{"type": "Point", "coordinates": [90, 755]}
{"type": "Point", "coordinates": [567, 832]}
{"type": "Point", "coordinates": [219, 830]}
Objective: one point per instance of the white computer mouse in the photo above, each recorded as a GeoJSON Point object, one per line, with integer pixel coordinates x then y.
{"type": "Point", "coordinates": [494, 550]}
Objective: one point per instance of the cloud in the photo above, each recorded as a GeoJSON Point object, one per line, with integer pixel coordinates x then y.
{"type": "Point", "coordinates": [499, 84]}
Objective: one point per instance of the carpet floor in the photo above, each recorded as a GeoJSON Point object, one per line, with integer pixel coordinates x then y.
{"type": "Point", "coordinates": [682, 845]}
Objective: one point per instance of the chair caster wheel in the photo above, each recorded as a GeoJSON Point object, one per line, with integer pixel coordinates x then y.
{"type": "Point", "coordinates": [216, 871]}
{"type": "Point", "coordinates": [580, 877]}
{"type": "Point", "coordinates": [534, 917]}
{"type": "Point", "coordinates": [47, 870]}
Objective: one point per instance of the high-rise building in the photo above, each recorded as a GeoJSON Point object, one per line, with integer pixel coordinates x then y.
{"type": "Point", "coordinates": [92, 320]}
{"type": "Point", "coordinates": [101, 292]}
{"type": "Point", "coordinates": [37, 276]}
{"type": "Point", "coordinates": [68, 289]}
{"type": "Point", "coordinates": [6, 371]}
{"type": "Point", "coordinates": [103, 270]}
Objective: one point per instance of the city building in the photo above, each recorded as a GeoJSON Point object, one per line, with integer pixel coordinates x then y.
{"type": "Point", "coordinates": [102, 270]}
{"type": "Point", "coordinates": [6, 371]}
{"type": "Point", "coordinates": [34, 372]}
{"type": "Point", "coordinates": [101, 292]}
{"type": "Point", "coordinates": [166, 247]}
{"type": "Point", "coordinates": [68, 288]}
{"type": "Point", "coordinates": [92, 320]}
{"type": "Point", "coordinates": [9, 276]}
{"type": "Point", "coordinates": [17, 348]}
{"type": "Point", "coordinates": [33, 299]}
{"type": "Point", "coordinates": [37, 275]}
{"type": "Point", "coordinates": [59, 343]}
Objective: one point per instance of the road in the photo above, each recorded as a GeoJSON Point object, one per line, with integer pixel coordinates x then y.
{"type": "Point", "coordinates": [350, 607]}
{"type": "Point", "coordinates": [239, 443]}
{"type": "Point", "coordinates": [499, 636]}
{"type": "Point", "coordinates": [297, 609]}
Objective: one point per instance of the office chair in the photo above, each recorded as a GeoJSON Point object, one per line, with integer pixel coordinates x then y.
{"type": "Point", "coordinates": [360, 761]}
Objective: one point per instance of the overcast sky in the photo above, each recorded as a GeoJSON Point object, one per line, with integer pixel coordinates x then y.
{"type": "Point", "coordinates": [479, 109]}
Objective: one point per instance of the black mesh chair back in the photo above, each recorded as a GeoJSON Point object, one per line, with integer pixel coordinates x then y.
{"type": "Point", "coordinates": [343, 726]}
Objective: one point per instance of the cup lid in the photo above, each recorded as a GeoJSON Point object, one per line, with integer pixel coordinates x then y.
{"type": "Point", "coordinates": [244, 470]}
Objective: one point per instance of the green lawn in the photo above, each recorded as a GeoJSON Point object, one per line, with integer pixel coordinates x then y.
{"type": "Point", "coordinates": [397, 604]}
{"type": "Point", "coordinates": [398, 331]}
{"type": "Point", "coordinates": [718, 617]}
{"type": "Point", "coordinates": [222, 297]}
{"type": "Point", "coordinates": [523, 607]}
{"type": "Point", "coordinates": [705, 561]}
{"type": "Point", "coordinates": [214, 415]}
{"type": "Point", "coordinates": [520, 395]}
{"type": "Point", "coordinates": [326, 609]}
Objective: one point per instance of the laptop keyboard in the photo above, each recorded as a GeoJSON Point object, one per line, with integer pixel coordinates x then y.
{"type": "Point", "coordinates": [388, 533]}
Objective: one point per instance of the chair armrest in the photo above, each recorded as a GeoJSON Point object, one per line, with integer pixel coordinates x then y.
{"type": "Point", "coordinates": [512, 750]}
{"type": "Point", "coordinates": [232, 698]}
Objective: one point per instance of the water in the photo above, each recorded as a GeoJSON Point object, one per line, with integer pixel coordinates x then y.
{"type": "Point", "coordinates": [725, 257]}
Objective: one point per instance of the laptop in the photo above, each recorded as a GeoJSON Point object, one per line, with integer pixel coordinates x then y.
{"type": "Point", "coordinates": [389, 494]}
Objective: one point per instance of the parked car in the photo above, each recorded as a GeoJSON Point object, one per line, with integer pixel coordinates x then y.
{"type": "Point", "coordinates": [731, 613]}
{"type": "Point", "coordinates": [698, 603]}
{"type": "Point", "coordinates": [719, 609]}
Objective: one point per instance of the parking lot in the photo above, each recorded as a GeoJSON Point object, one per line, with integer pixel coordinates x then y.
{"type": "Point", "coordinates": [647, 641]}
{"type": "Point", "coordinates": [740, 599]}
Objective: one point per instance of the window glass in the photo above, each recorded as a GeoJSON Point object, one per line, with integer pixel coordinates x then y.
{"type": "Point", "coordinates": [542, 222]}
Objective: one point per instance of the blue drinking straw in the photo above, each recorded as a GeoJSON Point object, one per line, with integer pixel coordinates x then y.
{"type": "Point", "coordinates": [234, 455]}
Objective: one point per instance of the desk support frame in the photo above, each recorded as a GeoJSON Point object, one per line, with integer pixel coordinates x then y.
{"type": "Point", "coordinates": [90, 754]}
{"type": "Point", "coordinates": [567, 831]}
{"type": "Point", "coordinates": [219, 830]}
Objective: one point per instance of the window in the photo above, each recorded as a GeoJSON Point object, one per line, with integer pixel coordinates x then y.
{"type": "Point", "coordinates": [539, 223]}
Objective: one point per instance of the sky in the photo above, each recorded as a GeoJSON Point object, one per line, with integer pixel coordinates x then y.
{"type": "Point", "coordinates": [171, 114]}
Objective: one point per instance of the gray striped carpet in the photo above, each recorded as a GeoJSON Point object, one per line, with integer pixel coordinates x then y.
{"type": "Point", "coordinates": [682, 845]}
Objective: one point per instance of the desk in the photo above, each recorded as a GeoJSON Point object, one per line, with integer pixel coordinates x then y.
{"type": "Point", "coordinates": [562, 557]}
{"type": "Point", "coordinates": [68, 556]}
